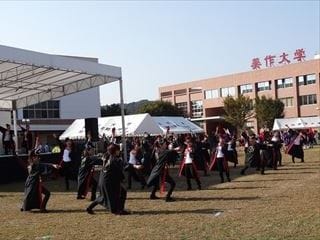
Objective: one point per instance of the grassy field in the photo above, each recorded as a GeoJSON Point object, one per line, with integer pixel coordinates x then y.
{"type": "Point", "coordinates": [282, 204]}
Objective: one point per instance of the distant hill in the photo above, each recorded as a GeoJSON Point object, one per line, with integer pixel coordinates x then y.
{"type": "Point", "coordinates": [130, 108]}
{"type": "Point", "coordinates": [133, 107]}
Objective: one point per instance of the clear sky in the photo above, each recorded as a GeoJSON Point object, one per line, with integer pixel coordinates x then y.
{"type": "Point", "coordinates": [163, 43]}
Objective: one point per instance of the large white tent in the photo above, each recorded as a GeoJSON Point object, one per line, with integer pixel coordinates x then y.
{"type": "Point", "coordinates": [296, 123]}
{"type": "Point", "coordinates": [135, 125]}
{"type": "Point", "coordinates": [177, 125]}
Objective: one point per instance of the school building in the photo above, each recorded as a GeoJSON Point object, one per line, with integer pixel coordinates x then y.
{"type": "Point", "coordinates": [295, 84]}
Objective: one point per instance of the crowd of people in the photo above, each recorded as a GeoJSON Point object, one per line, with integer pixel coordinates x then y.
{"type": "Point", "coordinates": [148, 162]}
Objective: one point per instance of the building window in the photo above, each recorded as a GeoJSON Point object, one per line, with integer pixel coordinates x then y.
{"type": "Point", "coordinates": [183, 107]}
{"type": "Point", "coordinates": [306, 79]}
{"type": "Point", "coordinates": [180, 92]}
{"type": "Point", "coordinates": [48, 109]}
{"type": "Point", "coordinates": [284, 83]}
{"type": "Point", "coordinates": [308, 99]}
{"type": "Point", "coordinates": [166, 94]}
{"type": "Point", "coordinates": [311, 79]}
{"type": "Point", "coordinates": [288, 102]}
{"type": "Point", "coordinates": [263, 86]}
{"type": "Point", "coordinates": [195, 89]}
{"type": "Point", "coordinates": [228, 91]}
{"type": "Point", "coordinates": [213, 93]}
{"type": "Point", "coordinates": [246, 88]}
{"type": "Point", "coordinates": [196, 109]}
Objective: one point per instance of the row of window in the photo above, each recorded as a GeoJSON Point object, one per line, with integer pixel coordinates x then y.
{"type": "Point", "coordinates": [48, 109]}
{"type": "Point", "coordinates": [197, 106]}
{"type": "Point", "coordinates": [261, 86]}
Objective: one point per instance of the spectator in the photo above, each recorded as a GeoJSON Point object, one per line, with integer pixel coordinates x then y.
{"type": "Point", "coordinates": [7, 139]}
{"type": "Point", "coordinates": [27, 138]}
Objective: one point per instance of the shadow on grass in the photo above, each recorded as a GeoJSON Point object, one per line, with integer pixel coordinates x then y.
{"type": "Point", "coordinates": [297, 168]}
{"type": "Point", "coordinates": [297, 173]}
{"type": "Point", "coordinates": [58, 211]}
{"type": "Point", "coordinates": [269, 180]}
{"type": "Point", "coordinates": [232, 188]}
{"type": "Point", "coordinates": [218, 198]}
{"type": "Point", "coordinates": [203, 198]}
{"type": "Point", "coordinates": [166, 212]}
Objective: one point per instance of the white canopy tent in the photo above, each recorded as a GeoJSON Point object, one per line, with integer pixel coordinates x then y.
{"type": "Point", "coordinates": [28, 77]}
{"type": "Point", "coordinates": [177, 125]}
{"type": "Point", "coordinates": [136, 125]}
{"type": "Point", "coordinates": [296, 123]}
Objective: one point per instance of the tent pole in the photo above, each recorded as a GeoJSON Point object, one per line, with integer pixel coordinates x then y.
{"type": "Point", "coordinates": [14, 114]}
{"type": "Point", "coordinates": [124, 146]}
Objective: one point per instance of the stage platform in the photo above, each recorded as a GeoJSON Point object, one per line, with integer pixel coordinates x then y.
{"type": "Point", "coordinates": [14, 168]}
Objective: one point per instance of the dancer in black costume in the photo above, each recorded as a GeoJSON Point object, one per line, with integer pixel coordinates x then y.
{"type": "Point", "coordinates": [112, 193]}
{"type": "Point", "coordinates": [34, 189]}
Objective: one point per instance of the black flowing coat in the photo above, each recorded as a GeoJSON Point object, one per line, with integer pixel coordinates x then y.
{"type": "Point", "coordinates": [33, 185]}
{"type": "Point", "coordinates": [112, 193]}
{"type": "Point", "coordinates": [166, 157]}
{"type": "Point", "coordinates": [86, 173]}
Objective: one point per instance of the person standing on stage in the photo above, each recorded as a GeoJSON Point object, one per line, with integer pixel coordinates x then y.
{"type": "Point", "coordinates": [34, 189]}
{"type": "Point", "coordinates": [27, 138]}
{"type": "Point", "coordinates": [7, 139]}
{"type": "Point", "coordinates": [112, 192]}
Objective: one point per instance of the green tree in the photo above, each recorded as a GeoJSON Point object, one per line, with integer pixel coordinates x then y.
{"type": "Point", "coordinates": [111, 110]}
{"type": "Point", "coordinates": [238, 111]}
{"type": "Point", "coordinates": [160, 108]}
{"type": "Point", "coordinates": [267, 109]}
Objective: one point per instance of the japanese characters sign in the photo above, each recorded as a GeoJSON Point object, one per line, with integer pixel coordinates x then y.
{"type": "Point", "coordinates": [272, 60]}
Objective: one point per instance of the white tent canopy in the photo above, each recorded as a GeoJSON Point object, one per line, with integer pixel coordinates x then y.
{"type": "Point", "coordinates": [29, 77]}
{"type": "Point", "coordinates": [135, 125]}
{"type": "Point", "coordinates": [296, 123]}
{"type": "Point", "coordinates": [177, 125]}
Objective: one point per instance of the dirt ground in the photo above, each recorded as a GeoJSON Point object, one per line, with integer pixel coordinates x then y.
{"type": "Point", "coordinates": [282, 204]}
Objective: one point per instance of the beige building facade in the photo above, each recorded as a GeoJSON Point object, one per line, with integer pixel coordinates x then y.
{"type": "Point", "coordinates": [296, 85]}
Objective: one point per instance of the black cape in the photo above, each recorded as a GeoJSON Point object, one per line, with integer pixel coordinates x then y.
{"type": "Point", "coordinates": [32, 187]}
{"type": "Point", "coordinates": [166, 157]}
{"type": "Point", "coordinates": [85, 173]}
{"type": "Point", "coordinates": [112, 192]}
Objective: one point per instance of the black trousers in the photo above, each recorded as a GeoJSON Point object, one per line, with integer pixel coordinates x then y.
{"type": "Point", "coordinates": [133, 173]}
{"type": "Point", "coordinates": [189, 173]}
{"type": "Point", "coordinates": [67, 171]}
{"type": "Point", "coordinates": [221, 169]}
{"type": "Point", "coordinates": [45, 200]}
{"type": "Point", "coordinates": [168, 179]}
{"type": "Point", "coordinates": [7, 147]}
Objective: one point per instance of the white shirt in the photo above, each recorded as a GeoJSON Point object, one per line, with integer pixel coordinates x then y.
{"type": "Point", "coordinates": [7, 136]}
{"type": "Point", "coordinates": [188, 158]}
{"type": "Point", "coordinates": [66, 157]}
{"type": "Point", "coordinates": [297, 140]}
{"type": "Point", "coordinates": [132, 159]}
{"type": "Point", "coordinates": [219, 152]}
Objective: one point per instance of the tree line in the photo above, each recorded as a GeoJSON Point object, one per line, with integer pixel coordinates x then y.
{"type": "Point", "coordinates": [238, 111]}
